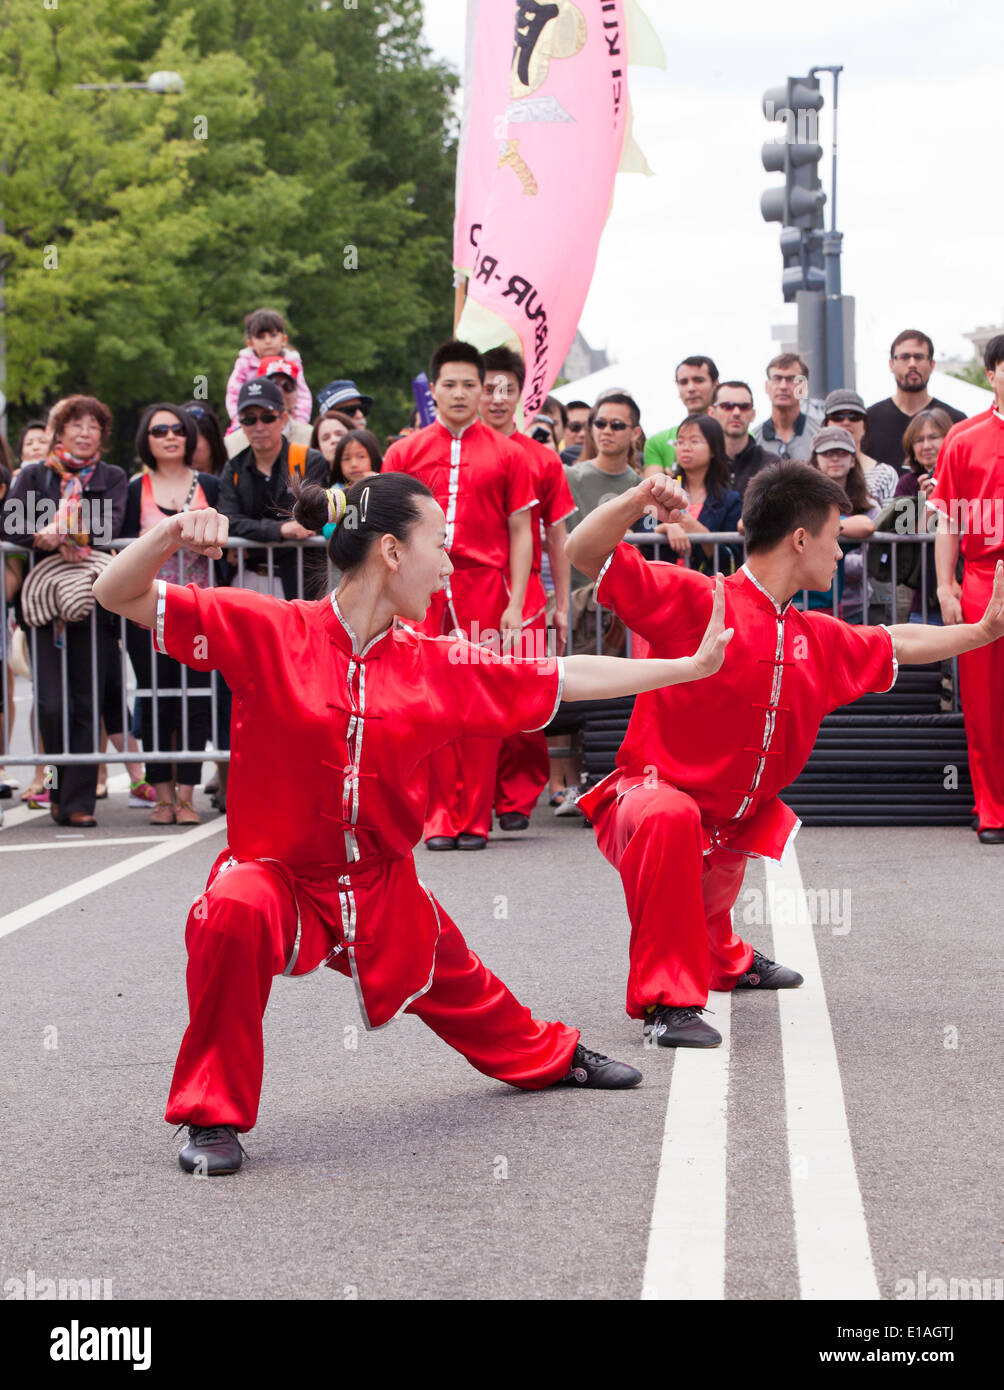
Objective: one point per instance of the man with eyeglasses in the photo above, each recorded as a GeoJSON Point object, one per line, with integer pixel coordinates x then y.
{"type": "Point", "coordinates": [575, 431]}
{"type": "Point", "coordinates": [255, 492]}
{"type": "Point", "coordinates": [616, 428]}
{"type": "Point", "coordinates": [911, 361]}
{"type": "Point", "coordinates": [732, 406]}
{"type": "Point", "coordinates": [788, 432]}
{"type": "Point", "coordinates": [696, 379]}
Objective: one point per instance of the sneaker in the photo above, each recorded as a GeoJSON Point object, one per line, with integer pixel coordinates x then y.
{"type": "Point", "coordinates": [767, 974]}
{"type": "Point", "coordinates": [601, 1073]}
{"type": "Point", "coordinates": [567, 806]}
{"type": "Point", "coordinates": [673, 1026]}
{"type": "Point", "coordinates": [141, 795]}
{"type": "Point", "coordinates": [212, 1151]}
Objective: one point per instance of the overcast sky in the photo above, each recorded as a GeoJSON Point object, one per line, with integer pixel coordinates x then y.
{"type": "Point", "coordinates": [687, 264]}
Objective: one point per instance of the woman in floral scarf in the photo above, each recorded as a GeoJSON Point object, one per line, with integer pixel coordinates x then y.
{"type": "Point", "coordinates": [87, 497]}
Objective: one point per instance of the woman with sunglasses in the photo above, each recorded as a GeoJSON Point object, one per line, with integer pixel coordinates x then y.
{"type": "Point", "coordinates": [341, 713]}
{"type": "Point", "coordinates": [846, 410]}
{"type": "Point", "coordinates": [834, 453]}
{"type": "Point", "coordinates": [166, 443]}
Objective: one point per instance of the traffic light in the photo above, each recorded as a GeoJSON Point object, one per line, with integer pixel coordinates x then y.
{"type": "Point", "coordinates": [799, 203]}
{"type": "Point", "coordinates": [802, 258]}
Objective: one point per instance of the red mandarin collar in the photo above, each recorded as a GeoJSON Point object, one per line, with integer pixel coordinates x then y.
{"type": "Point", "coordinates": [344, 637]}
{"type": "Point", "coordinates": [755, 590]}
{"type": "Point", "coordinates": [449, 433]}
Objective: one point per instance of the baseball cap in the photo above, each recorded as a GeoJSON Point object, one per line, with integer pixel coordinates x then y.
{"type": "Point", "coordinates": [330, 397]}
{"type": "Point", "coordinates": [833, 437]}
{"type": "Point", "coordinates": [843, 399]}
{"type": "Point", "coordinates": [279, 366]}
{"type": "Point", "coordinates": [260, 391]}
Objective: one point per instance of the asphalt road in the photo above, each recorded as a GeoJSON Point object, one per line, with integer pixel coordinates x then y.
{"type": "Point", "coordinates": [383, 1166]}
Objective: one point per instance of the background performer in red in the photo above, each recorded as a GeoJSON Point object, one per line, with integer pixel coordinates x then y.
{"type": "Point", "coordinates": [969, 491]}
{"type": "Point", "coordinates": [524, 764]}
{"type": "Point", "coordinates": [338, 712]}
{"type": "Point", "coordinates": [482, 484]}
{"type": "Point", "coordinates": [695, 791]}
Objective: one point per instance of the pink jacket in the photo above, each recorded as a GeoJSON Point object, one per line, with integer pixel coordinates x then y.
{"type": "Point", "coordinates": [246, 367]}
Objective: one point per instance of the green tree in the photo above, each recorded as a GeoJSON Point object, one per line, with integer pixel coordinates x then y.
{"type": "Point", "coordinates": [307, 165]}
{"type": "Point", "coordinates": [974, 372]}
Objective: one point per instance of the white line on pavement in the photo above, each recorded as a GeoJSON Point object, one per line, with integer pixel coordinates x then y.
{"type": "Point", "coordinates": [831, 1237]}
{"type": "Point", "coordinates": [52, 902]}
{"type": "Point", "coordinates": [83, 841]}
{"type": "Point", "coordinates": [686, 1246]}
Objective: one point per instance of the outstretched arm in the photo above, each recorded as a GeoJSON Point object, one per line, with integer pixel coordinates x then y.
{"type": "Point", "coordinates": [607, 677]}
{"type": "Point", "coordinates": [916, 642]}
{"type": "Point", "coordinates": [601, 531]}
{"type": "Point", "coordinates": [127, 586]}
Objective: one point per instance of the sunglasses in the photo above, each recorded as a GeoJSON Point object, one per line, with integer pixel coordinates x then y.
{"type": "Point", "coordinates": [733, 405]}
{"type": "Point", "coordinates": [162, 431]}
{"type": "Point", "coordinates": [576, 428]}
{"type": "Point", "coordinates": [846, 417]}
{"type": "Point", "coordinates": [615, 425]}
{"type": "Point", "coordinates": [262, 417]}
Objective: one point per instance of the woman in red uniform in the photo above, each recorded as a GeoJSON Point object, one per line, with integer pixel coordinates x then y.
{"type": "Point", "coordinates": [337, 710]}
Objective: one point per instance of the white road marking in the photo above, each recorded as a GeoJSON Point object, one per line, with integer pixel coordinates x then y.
{"type": "Point", "coordinates": [53, 902]}
{"type": "Point", "coordinates": [82, 840]}
{"type": "Point", "coordinates": [686, 1246]}
{"type": "Point", "coordinates": [831, 1237]}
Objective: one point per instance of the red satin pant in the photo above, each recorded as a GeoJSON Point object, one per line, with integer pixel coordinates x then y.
{"type": "Point", "coordinates": [679, 900]}
{"type": "Point", "coordinates": [240, 935]}
{"type": "Point", "coordinates": [981, 684]}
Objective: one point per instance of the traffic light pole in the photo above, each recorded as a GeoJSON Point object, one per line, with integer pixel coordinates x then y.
{"type": "Point", "coordinates": [835, 373]}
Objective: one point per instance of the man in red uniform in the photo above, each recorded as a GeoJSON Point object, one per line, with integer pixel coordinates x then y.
{"type": "Point", "coordinates": [483, 485]}
{"type": "Point", "coordinates": [969, 492]}
{"type": "Point", "coordinates": [695, 791]}
{"type": "Point", "coordinates": [524, 765]}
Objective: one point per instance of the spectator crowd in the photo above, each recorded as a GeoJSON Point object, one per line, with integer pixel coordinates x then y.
{"type": "Point", "coordinates": [63, 508]}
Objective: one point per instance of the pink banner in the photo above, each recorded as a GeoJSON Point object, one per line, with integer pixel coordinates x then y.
{"type": "Point", "coordinates": [546, 110]}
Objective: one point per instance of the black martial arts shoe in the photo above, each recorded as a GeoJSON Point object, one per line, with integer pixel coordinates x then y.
{"type": "Point", "coordinates": [466, 841]}
{"type": "Point", "coordinates": [767, 974]}
{"type": "Point", "coordinates": [513, 820]}
{"type": "Point", "coordinates": [601, 1073]}
{"type": "Point", "coordinates": [212, 1151]}
{"type": "Point", "coordinates": [680, 1026]}
{"type": "Point", "coordinates": [991, 835]}
{"type": "Point", "coordinates": [441, 842]}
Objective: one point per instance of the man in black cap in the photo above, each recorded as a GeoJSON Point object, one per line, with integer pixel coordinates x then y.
{"type": "Point", "coordinates": [345, 396]}
{"type": "Point", "coordinates": [255, 492]}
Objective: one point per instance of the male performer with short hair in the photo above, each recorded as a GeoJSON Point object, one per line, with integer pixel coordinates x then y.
{"type": "Point", "coordinates": [483, 485]}
{"type": "Point", "coordinates": [969, 491]}
{"type": "Point", "coordinates": [524, 765]}
{"type": "Point", "coordinates": [695, 790]}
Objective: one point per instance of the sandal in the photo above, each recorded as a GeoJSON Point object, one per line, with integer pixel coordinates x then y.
{"type": "Point", "coordinates": [163, 813]}
{"type": "Point", "coordinates": [36, 790]}
{"type": "Point", "coordinates": [186, 814]}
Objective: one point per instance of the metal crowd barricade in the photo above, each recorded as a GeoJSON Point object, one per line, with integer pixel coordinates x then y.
{"type": "Point", "coordinates": [154, 692]}
{"type": "Point", "coordinates": [653, 542]}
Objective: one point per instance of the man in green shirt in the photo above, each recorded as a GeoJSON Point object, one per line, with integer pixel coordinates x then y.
{"type": "Point", "coordinates": [696, 379]}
